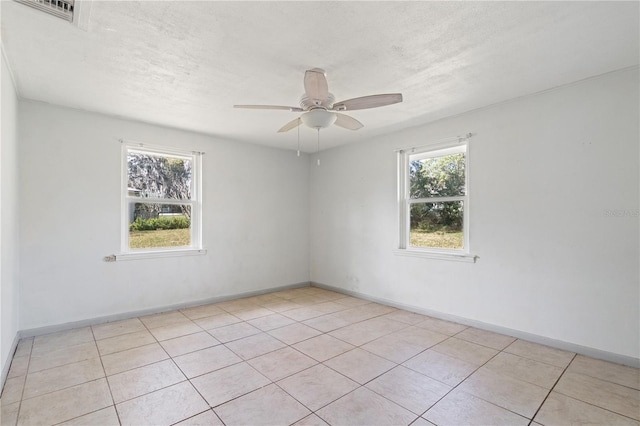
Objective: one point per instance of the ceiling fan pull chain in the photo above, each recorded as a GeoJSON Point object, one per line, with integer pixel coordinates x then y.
{"type": "Point", "coordinates": [318, 146]}
{"type": "Point", "coordinates": [298, 136]}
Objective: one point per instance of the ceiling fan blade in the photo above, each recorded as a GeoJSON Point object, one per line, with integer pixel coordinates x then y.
{"type": "Point", "coordinates": [290, 125]}
{"type": "Point", "coordinates": [366, 102]}
{"type": "Point", "coordinates": [347, 122]}
{"type": "Point", "coordinates": [315, 85]}
{"type": "Point", "coordinates": [277, 107]}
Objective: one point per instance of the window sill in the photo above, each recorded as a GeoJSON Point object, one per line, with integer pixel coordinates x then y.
{"type": "Point", "coordinates": [155, 254]}
{"type": "Point", "coordinates": [457, 257]}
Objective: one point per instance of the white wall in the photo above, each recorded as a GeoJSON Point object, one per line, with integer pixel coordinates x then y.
{"type": "Point", "coordinates": [255, 226]}
{"type": "Point", "coordinates": [9, 287]}
{"type": "Point", "coordinates": [544, 169]}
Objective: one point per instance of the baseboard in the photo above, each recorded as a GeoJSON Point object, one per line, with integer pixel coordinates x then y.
{"type": "Point", "coordinates": [127, 315]}
{"type": "Point", "coordinates": [559, 344]}
{"type": "Point", "coordinates": [7, 364]}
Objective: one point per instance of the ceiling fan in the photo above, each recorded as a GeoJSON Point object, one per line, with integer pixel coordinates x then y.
{"type": "Point", "coordinates": [318, 106]}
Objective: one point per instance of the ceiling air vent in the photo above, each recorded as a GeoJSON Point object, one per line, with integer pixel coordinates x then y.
{"type": "Point", "coordinates": [60, 8]}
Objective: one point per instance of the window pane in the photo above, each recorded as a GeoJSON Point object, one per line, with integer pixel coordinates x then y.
{"type": "Point", "coordinates": [159, 225]}
{"type": "Point", "coordinates": [158, 176]}
{"type": "Point", "coordinates": [437, 176]}
{"type": "Point", "coordinates": [437, 225]}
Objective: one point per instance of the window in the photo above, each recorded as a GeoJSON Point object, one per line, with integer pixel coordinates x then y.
{"type": "Point", "coordinates": [161, 199]}
{"type": "Point", "coordinates": [433, 199]}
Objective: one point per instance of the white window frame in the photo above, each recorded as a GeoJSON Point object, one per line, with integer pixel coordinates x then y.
{"type": "Point", "coordinates": [405, 201]}
{"type": "Point", "coordinates": [195, 248]}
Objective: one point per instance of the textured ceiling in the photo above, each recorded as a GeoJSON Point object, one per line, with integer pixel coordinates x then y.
{"type": "Point", "coordinates": [184, 64]}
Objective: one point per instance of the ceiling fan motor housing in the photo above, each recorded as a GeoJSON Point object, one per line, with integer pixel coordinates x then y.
{"type": "Point", "coordinates": [307, 103]}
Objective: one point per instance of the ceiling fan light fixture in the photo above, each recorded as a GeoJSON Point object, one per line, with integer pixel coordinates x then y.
{"type": "Point", "coordinates": [318, 118]}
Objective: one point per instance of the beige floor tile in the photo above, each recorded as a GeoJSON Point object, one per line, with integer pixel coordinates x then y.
{"type": "Point", "coordinates": [421, 422]}
{"type": "Point", "coordinates": [19, 366]}
{"type": "Point", "coordinates": [164, 319]}
{"type": "Point", "coordinates": [409, 389]}
{"type": "Point", "coordinates": [368, 330]}
{"type": "Point", "coordinates": [133, 358]}
{"type": "Point", "coordinates": [311, 420]}
{"type": "Point", "coordinates": [294, 333]}
{"type": "Point", "coordinates": [323, 347]}
{"type": "Point", "coordinates": [443, 368]}
{"type": "Point", "coordinates": [352, 301]}
{"type": "Point", "coordinates": [256, 345]}
{"type": "Point", "coordinates": [125, 341]}
{"type": "Point", "coordinates": [540, 353]}
{"type": "Point", "coordinates": [12, 391]}
{"type": "Point", "coordinates": [393, 348]}
{"type": "Point", "coordinates": [252, 313]}
{"type": "Point", "coordinates": [460, 408]}
{"type": "Point", "coordinates": [486, 338]}
{"type": "Point", "coordinates": [301, 314]}
{"type": "Point", "coordinates": [378, 309]}
{"type": "Point", "coordinates": [201, 311]}
{"type": "Point", "coordinates": [607, 395]}
{"type": "Point", "coordinates": [514, 395]}
{"type": "Point", "coordinates": [308, 300]}
{"type": "Point", "coordinates": [559, 409]}
{"type": "Point", "coordinates": [281, 363]}
{"type": "Point", "coordinates": [9, 414]}
{"type": "Point", "coordinates": [165, 406]}
{"type": "Point", "coordinates": [421, 336]}
{"type": "Point", "coordinates": [62, 339]}
{"type": "Point", "coordinates": [137, 382]}
{"type": "Point", "coordinates": [105, 417]}
{"type": "Point", "coordinates": [175, 330]}
{"type": "Point", "coordinates": [215, 321]}
{"type": "Point", "coordinates": [257, 408]}
{"type": "Point", "coordinates": [232, 332]}
{"type": "Point", "coordinates": [206, 360]}
{"type": "Point", "coordinates": [360, 365]}
{"type": "Point", "coordinates": [404, 344]}
{"type": "Point", "coordinates": [281, 306]}
{"type": "Point", "coordinates": [208, 418]}
{"type": "Point", "coordinates": [66, 404]}
{"type": "Point", "coordinates": [270, 322]}
{"type": "Point", "coordinates": [609, 371]}
{"type": "Point", "coordinates": [62, 356]}
{"type": "Point", "coordinates": [329, 307]}
{"type": "Point", "coordinates": [65, 376]}
{"type": "Point", "coordinates": [441, 326]}
{"type": "Point", "coordinates": [117, 328]}
{"type": "Point", "coordinates": [406, 317]}
{"type": "Point", "coordinates": [189, 343]}
{"type": "Point", "coordinates": [24, 347]}
{"type": "Point", "coordinates": [465, 351]}
{"type": "Point", "coordinates": [317, 386]}
{"type": "Point", "coordinates": [264, 299]}
{"type": "Point", "coordinates": [364, 407]}
{"type": "Point", "coordinates": [528, 370]}
{"type": "Point", "coordinates": [228, 383]}
{"type": "Point", "coordinates": [237, 305]}
{"type": "Point", "coordinates": [326, 323]}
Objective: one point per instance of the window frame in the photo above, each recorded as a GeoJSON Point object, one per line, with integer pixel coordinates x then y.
{"type": "Point", "coordinates": [195, 202]}
{"type": "Point", "coordinates": [405, 201]}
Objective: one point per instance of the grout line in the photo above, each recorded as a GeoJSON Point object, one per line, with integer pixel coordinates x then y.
{"type": "Point", "coordinates": [551, 389]}
{"type": "Point", "coordinates": [105, 377]}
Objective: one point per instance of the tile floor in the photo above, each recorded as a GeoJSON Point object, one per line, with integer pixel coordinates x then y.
{"type": "Point", "coordinates": [307, 356]}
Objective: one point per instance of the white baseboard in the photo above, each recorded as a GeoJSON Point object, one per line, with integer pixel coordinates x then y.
{"type": "Point", "coordinates": [127, 315]}
{"type": "Point", "coordinates": [559, 344]}
{"type": "Point", "coordinates": [7, 364]}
